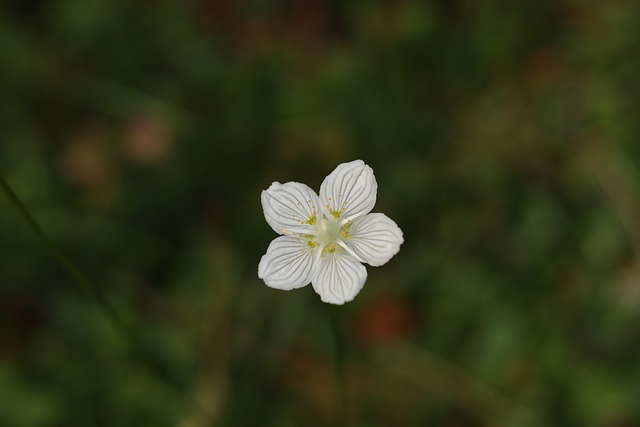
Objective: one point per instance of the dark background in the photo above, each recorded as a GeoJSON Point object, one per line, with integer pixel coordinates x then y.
{"type": "Point", "coordinates": [504, 138]}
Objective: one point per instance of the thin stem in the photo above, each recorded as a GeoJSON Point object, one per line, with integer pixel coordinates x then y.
{"type": "Point", "coordinates": [139, 349]}
{"type": "Point", "coordinates": [340, 396]}
{"type": "Point", "coordinates": [79, 279]}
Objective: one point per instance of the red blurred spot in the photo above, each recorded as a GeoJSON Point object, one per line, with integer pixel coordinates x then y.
{"type": "Point", "coordinates": [147, 140]}
{"type": "Point", "coordinates": [544, 68]}
{"type": "Point", "coordinates": [385, 319]}
{"type": "Point", "coordinates": [84, 162]}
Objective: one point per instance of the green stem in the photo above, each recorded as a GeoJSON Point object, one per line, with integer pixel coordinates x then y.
{"type": "Point", "coordinates": [340, 396]}
{"type": "Point", "coordinates": [140, 350]}
{"type": "Point", "coordinates": [79, 279]}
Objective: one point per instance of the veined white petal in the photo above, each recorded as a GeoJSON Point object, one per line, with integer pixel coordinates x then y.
{"type": "Point", "coordinates": [338, 277]}
{"type": "Point", "coordinates": [288, 263]}
{"type": "Point", "coordinates": [290, 208]}
{"type": "Point", "coordinates": [349, 191]}
{"type": "Point", "coordinates": [375, 238]}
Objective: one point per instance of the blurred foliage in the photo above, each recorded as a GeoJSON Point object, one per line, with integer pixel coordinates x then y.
{"type": "Point", "coordinates": [504, 138]}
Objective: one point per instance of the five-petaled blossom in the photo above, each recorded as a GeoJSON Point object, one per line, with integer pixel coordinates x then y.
{"type": "Point", "coordinates": [325, 239]}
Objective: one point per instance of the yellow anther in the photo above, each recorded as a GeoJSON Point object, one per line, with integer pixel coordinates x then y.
{"type": "Point", "coordinates": [313, 220]}
{"type": "Point", "coordinates": [330, 248]}
{"type": "Point", "coordinates": [344, 230]}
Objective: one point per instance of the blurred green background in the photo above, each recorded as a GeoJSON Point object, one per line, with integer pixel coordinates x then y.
{"type": "Point", "coordinates": [504, 138]}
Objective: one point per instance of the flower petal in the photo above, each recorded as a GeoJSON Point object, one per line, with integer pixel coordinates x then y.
{"type": "Point", "coordinates": [375, 238]}
{"type": "Point", "coordinates": [349, 191]}
{"type": "Point", "coordinates": [338, 278]}
{"type": "Point", "coordinates": [288, 263]}
{"type": "Point", "coordinates": [289, 208]}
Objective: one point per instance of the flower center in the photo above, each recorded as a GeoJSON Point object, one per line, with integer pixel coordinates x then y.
{"type": "Point", "coordinates": [328, 231]}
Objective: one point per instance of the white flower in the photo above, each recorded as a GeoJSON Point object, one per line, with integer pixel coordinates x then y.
{"type": "Point", "coordinates": [327, 246]}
